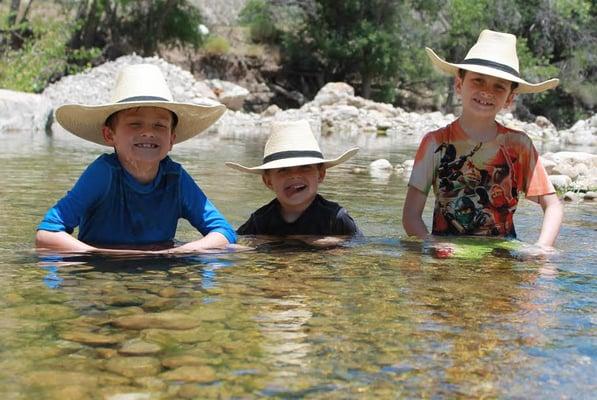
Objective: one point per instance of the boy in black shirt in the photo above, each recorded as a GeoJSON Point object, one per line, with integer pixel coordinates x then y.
{"type": "Point", "coordinates": [293, 167]}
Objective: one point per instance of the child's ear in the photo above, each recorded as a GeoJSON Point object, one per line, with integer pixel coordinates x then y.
{"type": "Point", "coordinates": [458, 84]}
{"type": "Point", "coordinates": [510, 99]}
{"type": "Point", "coordinates": [267, 180]}
{"type": "Point", "coordinates": [108, 135]}
{"type": "Point", "coordinates": [322, 170]}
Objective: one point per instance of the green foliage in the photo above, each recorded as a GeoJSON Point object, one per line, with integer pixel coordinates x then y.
{"type": "Point", "coordinates": [42, 56]}
{"type": "Point", "coordinates": [555, 39]}
{"type": "Point", "coordinates": [355, 41]}
{"type": "Point", "coordinates": [258, 16]}
{"type": "Point", "coordinates": [170, 22]}
{"type": "Point", "coordinates": [216, 45]}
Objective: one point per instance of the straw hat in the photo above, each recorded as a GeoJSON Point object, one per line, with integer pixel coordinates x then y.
{"type": "Point", "coordinates": [291, 143]}
{"type": "Point", "coordinates": [139, 85]}
{"type": "Point", "coordinates": [494, 54]}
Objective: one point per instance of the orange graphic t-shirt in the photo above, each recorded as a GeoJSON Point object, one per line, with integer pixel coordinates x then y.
{"type": "Point", "coordinates": [476, 185]}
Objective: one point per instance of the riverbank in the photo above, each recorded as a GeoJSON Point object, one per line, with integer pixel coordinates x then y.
{"type": "Point", "coordinates": [335, 113]}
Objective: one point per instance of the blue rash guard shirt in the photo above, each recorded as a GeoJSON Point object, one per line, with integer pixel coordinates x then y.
{"type": "Point", "coordinates": [111, 208]}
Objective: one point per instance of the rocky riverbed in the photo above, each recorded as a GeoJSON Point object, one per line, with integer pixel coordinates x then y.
{"type": "Point", "coordinates": [334, 112]}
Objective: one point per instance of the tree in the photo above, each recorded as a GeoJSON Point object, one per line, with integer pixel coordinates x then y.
{"type": "Point", "coordinates": [352, 40]}
{"type": "Point", "coordinates": [124, 26]}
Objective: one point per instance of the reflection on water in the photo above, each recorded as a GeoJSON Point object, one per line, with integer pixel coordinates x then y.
{"type": "Point", "coordinates": [375, 319]}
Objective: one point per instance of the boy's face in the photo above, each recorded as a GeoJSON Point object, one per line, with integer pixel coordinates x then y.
{"type": "Point", "coordinates": [141, 135]}
{"type": "Point", "coordinates": [295, 187]}
{"type": "Point", "coordinates": [483, 95]}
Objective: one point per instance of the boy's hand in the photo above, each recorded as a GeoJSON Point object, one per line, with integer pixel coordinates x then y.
{"type": "Point", "coordinates": [534, 252]}
{"type": "Point", "coordinates": [322, 242]}
{"type": "Point", "coordinates": [198, 249]}
{"type": "Point", "coordinates": [442, 250]}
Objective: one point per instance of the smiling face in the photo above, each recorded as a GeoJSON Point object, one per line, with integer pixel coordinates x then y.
{"type": "Point", "coordinates": [483, 95]}
{"type": "Point", "coordinates": [141, 137]}
{"type": "Point", "coordinates": [295, 187]}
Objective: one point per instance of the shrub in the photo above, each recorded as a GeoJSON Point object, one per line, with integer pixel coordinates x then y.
{"type": "Point", "coordinates": [216, 45]}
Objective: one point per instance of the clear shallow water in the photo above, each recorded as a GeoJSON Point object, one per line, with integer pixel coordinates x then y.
{"type": "Point", "coordinates": [377, 319]}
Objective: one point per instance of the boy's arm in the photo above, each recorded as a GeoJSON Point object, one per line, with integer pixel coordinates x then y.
{"type": "Point", "coordinates": [412, 213]}
{"type": "Point", "coordinates": [53, 233]}
{"type": "Point", "coordinates": [205, 217]}
{"type": "Point", "coordinates": [553, 213]}
{"type": "Point", "coordinates": [60, 241]}
{"type": "Point", "coordinates": [213, 240]}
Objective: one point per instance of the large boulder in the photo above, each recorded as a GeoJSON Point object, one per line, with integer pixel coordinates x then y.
{"type": "Point", "coordinates": [23, 111]}
{"type": "Point", "coordinates": [231, 95]}
{"type": "Point", "coordinates": [582, 133]}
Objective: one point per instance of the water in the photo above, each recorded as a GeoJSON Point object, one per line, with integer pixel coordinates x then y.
{"type": "Point", "coordinates": [378, 319]}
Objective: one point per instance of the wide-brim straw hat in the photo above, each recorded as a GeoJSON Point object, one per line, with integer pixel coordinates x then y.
{"type": "Point", "coordinates": [494, 54]}
{"type": "Point", "coordinates": [291, 144]}
{"type": "Point", "coordinates": [139, 85]}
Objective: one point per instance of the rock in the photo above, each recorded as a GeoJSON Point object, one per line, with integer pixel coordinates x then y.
{"type": "Point", "coordinates": [570, 196]}
{"type": "Point", "coordinates": [183, 360]}
{"type": "Point", "coordinates": [164, 320]}
{"type": "Point", "coordinates": [548, 165]}
{"type": "Point", "coordinates": [381, 164]}
{"type": "Point", "coordinates": [23, 111]}
{"type": "Point", "coordinates": [137, 347]}
{"type": "Point", "coordinates": [543, 122]}
{"type": "Point", "coordinates": [133, 367]}
{"type": "Point", "coordinates": [590, 196]}
{"type": "Point", "coordinates": [271, 111]}
{"type": "Point", "coordinates": [90, 338]}
{"type": "Point", "coordinates": [199, 374]}
{"type": "Point", "coordinates": [230, 94]}
{"type": "Point", "coordinates": [333, 93]}
{"type": "Point", "coordinates": [560, 181]}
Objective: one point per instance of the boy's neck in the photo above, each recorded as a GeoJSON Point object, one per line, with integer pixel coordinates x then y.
{"type": "Point", "coordinates": [141, 171]}
{"type": "Point", "coordinates": [479, 130]}
{"type": "Point", "coordinates": [292, 213]}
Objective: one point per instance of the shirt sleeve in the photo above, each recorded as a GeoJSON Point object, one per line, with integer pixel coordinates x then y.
{"type": "Point", "coordinates": [200, 212]}
{"type": "Point", "coordinates": [423, 172]}
{"type": "Point", "coordinates": [536, 179]}
{"type": "Point", "coordinates": [90, 189]}
{"type": "Point", "coordinates": [346, 225]}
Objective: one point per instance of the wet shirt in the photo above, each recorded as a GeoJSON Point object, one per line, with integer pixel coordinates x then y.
{"type": "Point", "coordinates": [111, 208]}
{"type": "Point", "coordinates": [322, 217]}
{"type": "Point", "coordinates": [477, 185]}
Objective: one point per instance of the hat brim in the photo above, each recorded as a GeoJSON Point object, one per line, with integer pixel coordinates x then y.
{"type": "Point", "coordinates": [87, 121]}
{"type": "Point", "coordinates": [295, 162]}
{"type": "Point", "coordinates": [523, 86]}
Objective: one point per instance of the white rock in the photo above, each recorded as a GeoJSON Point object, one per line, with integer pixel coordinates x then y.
{"type": "Point", "coordinates": [381, 164]}
{"type": "Point", "coordinates": [23, 111]}
{"type": "Point", "coordinates": [560, 181]}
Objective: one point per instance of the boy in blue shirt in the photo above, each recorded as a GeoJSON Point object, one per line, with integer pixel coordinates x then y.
{"type": "Point", "coordinates": [133, 198]}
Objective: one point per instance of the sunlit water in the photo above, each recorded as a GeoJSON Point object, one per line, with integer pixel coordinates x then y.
{"type": "Point", "coordinates": [374, 319]}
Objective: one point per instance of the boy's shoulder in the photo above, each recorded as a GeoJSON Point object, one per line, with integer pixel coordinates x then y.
{"type": "Point", "coordinates": [513, 133]}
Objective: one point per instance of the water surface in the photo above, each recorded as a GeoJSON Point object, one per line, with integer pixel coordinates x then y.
{"type": "Point", "coordinates": [374, 319]}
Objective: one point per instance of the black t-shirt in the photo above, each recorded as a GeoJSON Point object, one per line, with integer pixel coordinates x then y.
{"type": "Point", "coordinates": [322, 217]}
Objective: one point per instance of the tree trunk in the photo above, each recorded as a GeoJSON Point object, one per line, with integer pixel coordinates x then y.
{"type": "Point", "coordinates": [157, 18]}
{"type": "Point", "coordinates": [26, 12]}
{"type": "Point", "coordinates": [90, 28]}
{"type": "Point", "coordinates": [75, 40]}
{"type": "Point", "coordinates": [15, 5]}
{"type": "Point", "coordinates": [366, 85]}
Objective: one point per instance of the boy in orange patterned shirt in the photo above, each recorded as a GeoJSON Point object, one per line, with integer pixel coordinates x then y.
{"type": "Point", "coordinates": [476, 166]}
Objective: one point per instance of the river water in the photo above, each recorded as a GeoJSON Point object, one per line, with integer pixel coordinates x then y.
{"type": "Point", "coordinates": [374, 319]}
